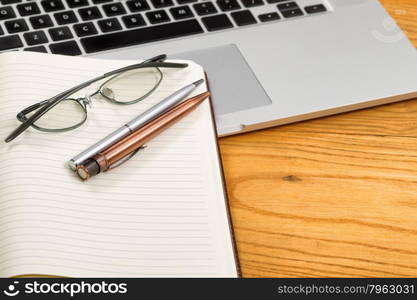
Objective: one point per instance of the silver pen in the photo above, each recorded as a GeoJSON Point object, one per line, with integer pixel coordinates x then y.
{"type": "Point", "coordinates": [135, 124]}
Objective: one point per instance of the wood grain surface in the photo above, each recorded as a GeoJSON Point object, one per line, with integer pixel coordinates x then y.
{"type": "Point", "coordinates": [332, 197]}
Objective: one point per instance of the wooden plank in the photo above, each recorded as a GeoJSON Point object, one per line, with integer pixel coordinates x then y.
{"type": "Point", "coordinates": [330, 197]}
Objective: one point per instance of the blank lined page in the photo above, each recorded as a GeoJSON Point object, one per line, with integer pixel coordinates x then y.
{"type": "Point", "coordinates": [162, 214]}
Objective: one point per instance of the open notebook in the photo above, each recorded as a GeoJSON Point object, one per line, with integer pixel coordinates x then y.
{"type": "Point", "coordinates": [162, 214]}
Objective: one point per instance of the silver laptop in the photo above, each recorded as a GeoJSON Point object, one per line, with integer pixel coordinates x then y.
{"type": "Point", "coordinates": [269, 62]}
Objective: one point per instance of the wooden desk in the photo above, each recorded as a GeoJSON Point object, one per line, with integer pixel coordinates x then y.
{"type": "Point", "coordinates": [330, 197]}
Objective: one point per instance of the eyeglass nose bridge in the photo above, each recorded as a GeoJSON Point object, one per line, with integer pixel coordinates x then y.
{"type": "Point", "coordinates": [86, 101]}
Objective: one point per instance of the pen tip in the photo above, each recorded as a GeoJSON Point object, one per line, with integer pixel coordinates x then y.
{"type": "Point", "coordinates": [198, 82]}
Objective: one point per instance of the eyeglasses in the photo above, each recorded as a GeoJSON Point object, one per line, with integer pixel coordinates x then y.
{"type": "Point", "coordinates": [124, 86]}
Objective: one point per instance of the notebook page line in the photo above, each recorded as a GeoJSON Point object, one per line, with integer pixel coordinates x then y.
{"type": "Point", "coordinates": [168, 226]}
{"type": "Point", "coordinates": [110, 273]}
{"type": "Point", "coordinates": [185, 257]}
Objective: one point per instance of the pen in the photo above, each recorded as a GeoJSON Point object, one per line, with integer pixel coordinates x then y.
{"type": "Point", "coordinates": [135, 124]}
{"type": "Point", "coordinates": [112, 156]}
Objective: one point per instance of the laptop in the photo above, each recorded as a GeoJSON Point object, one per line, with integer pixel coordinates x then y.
{"type": "Point", "coordinates": [269, 62]}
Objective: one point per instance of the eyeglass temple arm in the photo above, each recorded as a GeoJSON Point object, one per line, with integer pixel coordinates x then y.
{"type": "Point", "coordinates": [154, 62]}
{"type": "Point", "coordinates": [158, 58]}
{"type": "Point", "coordinates": [21, 116]}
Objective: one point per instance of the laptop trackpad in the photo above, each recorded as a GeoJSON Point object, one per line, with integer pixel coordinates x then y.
{"type": "Point", "coordinates": [233, 84]}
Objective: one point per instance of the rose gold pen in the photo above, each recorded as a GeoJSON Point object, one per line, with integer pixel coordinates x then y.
{"type": "Point", "coordinates": [118, 152]}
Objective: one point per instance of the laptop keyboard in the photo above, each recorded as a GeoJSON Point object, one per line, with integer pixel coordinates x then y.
{"type": "Point", "coordinates": [76, 27]}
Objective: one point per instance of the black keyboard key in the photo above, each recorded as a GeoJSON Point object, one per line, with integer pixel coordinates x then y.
{"type": "Point", "coordinates": [186, 1]}
{"type": "Point", "coordinates": [52, 5]}
{"type": "Point", "coordinates": [40, 49]}
{"type": "Point", "coordinates": [90, 13]}
{"type": "Point", "coordinates": [157, 16]}
{"type": "Point", "coordinates": [65, 48]}
{"type": "Point", "coordinates": [7, 13]}
{"type": "Point", "coordinates": [41, 21]}
{"type": "Point", "coordinates": [275, 1]}
{"type": "Point", "coordinates": [141, 36]}
{"type": "Point", "coordinates": [28, 9]}
{"type": "Point", "coordinates": [243, 17]}
{"type": "Point", "coordinates": [162, 3]}
{"type": "Point", "coordinates": [60, 33]}
{"type": "Point", "coordinates": [292, 13]}
{"type": "Point", "coordinates": [252, 3]}
{"type": "Point", "coordinates": [114, 9]}
{"type": "Point", "coordinates": [205, 8]}
{"type": "Point", "coordinates": [16, 26]}
{"type": "Point", "coordinates": [134, 21]}
{"type": "Point", "coordinates": [1, 31]}
{"type": "Point", "coordinates": [101, 1]}
{"type": "Point", "coordinates": [85, 29]}
{"type": "Point", "coordinates": [312, 9]}
{"type": "Point", "coordinates": [289, 5]}
{"type": "Point", "coordinates": [77, 3]}
{"type": "Point", "coordinates": [269, 17]}
{"type": "Point", "coordinates": [181, 12]}
{"type": "Point", "coordinates": [217, 22]}
{"type": "Point", "coordinates": [35, 38]}
{"type": "Point", "coordinates": [290, 9]}
{"type": "Point", "coordinates": [5, 2]}
{"type": "Point", "coordinates": [138, 5]}
{"type": "Point", "coordinates": [10, 42]}
{"type": "Point", "coordinates": [226, 5]}
{"type": "Point", "coordinates": [109, 25]}
{"type": "Point", "coordinates": [66, 17]}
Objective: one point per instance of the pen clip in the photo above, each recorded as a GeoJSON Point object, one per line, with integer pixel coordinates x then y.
{"type": "Point", "coordinates": [126, 158]}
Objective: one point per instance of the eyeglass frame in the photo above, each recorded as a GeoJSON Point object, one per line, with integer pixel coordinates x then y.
{"type": "Point", "coordinates": [46, 105]}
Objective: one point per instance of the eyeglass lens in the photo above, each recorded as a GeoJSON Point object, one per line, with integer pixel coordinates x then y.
{"type": "Point", "coordinates": [126, 88]}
